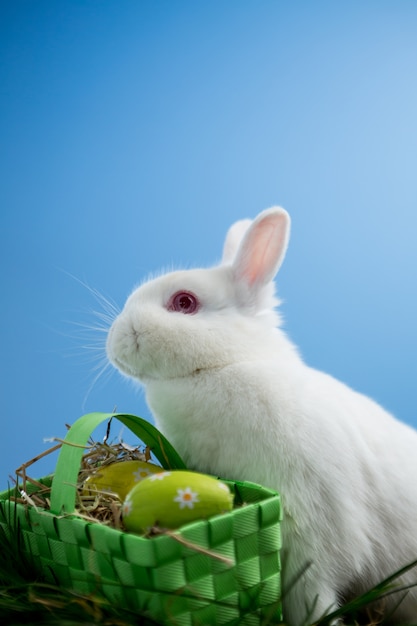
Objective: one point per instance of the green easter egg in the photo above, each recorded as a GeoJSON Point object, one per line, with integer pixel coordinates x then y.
{"type": "Point", "coordinates": [171, 499]}
{"type": "Point", "coordinates": [119, 477]}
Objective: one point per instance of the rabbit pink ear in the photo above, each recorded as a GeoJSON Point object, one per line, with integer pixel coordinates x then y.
{"type": "Point", "coordinates": [263, 248]}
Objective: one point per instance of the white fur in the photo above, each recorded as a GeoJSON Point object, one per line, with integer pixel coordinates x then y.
{"type": "Point", "coordinates": [232, 394]}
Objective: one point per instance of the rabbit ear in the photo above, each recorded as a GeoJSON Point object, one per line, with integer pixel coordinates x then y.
{"type": "Point", "coordinates": [233, 240]}
{"type": "Point", "coordinates": [262, 249]}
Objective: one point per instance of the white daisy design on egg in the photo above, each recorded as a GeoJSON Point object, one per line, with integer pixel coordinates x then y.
{"type": "Point", "coordinates": [141, 473]}
{"type": "Point", "coordinates": [159, 476]}
{"type": "Point", "coordinates": [186, 498]}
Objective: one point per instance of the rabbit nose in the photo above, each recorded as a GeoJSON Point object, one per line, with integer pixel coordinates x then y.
{"type": "Point", "coordinates": [134, 334]}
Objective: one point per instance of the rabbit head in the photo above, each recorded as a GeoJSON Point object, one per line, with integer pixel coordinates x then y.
{"type": "Point", "coordinates": [187, 321]}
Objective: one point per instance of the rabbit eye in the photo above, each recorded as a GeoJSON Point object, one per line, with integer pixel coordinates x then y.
{"type": "Point", "coordinates": [184, 302]}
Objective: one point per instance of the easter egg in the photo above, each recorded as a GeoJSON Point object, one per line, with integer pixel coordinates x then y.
{"type": "Point", "coordinates": [171, 499]}
{"type": "Point", "coordinates": [119, 477]}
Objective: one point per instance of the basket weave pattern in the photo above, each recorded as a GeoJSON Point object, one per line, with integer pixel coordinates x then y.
{"type": "Point", "coordinates": [161, 577]}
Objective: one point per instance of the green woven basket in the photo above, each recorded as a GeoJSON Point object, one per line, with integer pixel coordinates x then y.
{"type": "Point", "coordinates": [158, 577]}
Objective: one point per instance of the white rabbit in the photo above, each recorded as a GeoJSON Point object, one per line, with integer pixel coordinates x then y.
{"type": "Point", "coordinates": [232, 394]}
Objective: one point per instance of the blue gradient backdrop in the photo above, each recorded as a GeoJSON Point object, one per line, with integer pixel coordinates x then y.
{"type": "Point", "coordinates": [132, 135]}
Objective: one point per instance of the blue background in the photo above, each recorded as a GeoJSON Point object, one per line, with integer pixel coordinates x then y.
{"type": "Point", "coordinates": [134, 133]}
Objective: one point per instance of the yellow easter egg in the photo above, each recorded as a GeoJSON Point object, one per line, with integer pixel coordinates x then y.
{"type": "Point", "coordinates": [119, 477]}
{"type": "Point", "coordinates": [171, 499]}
